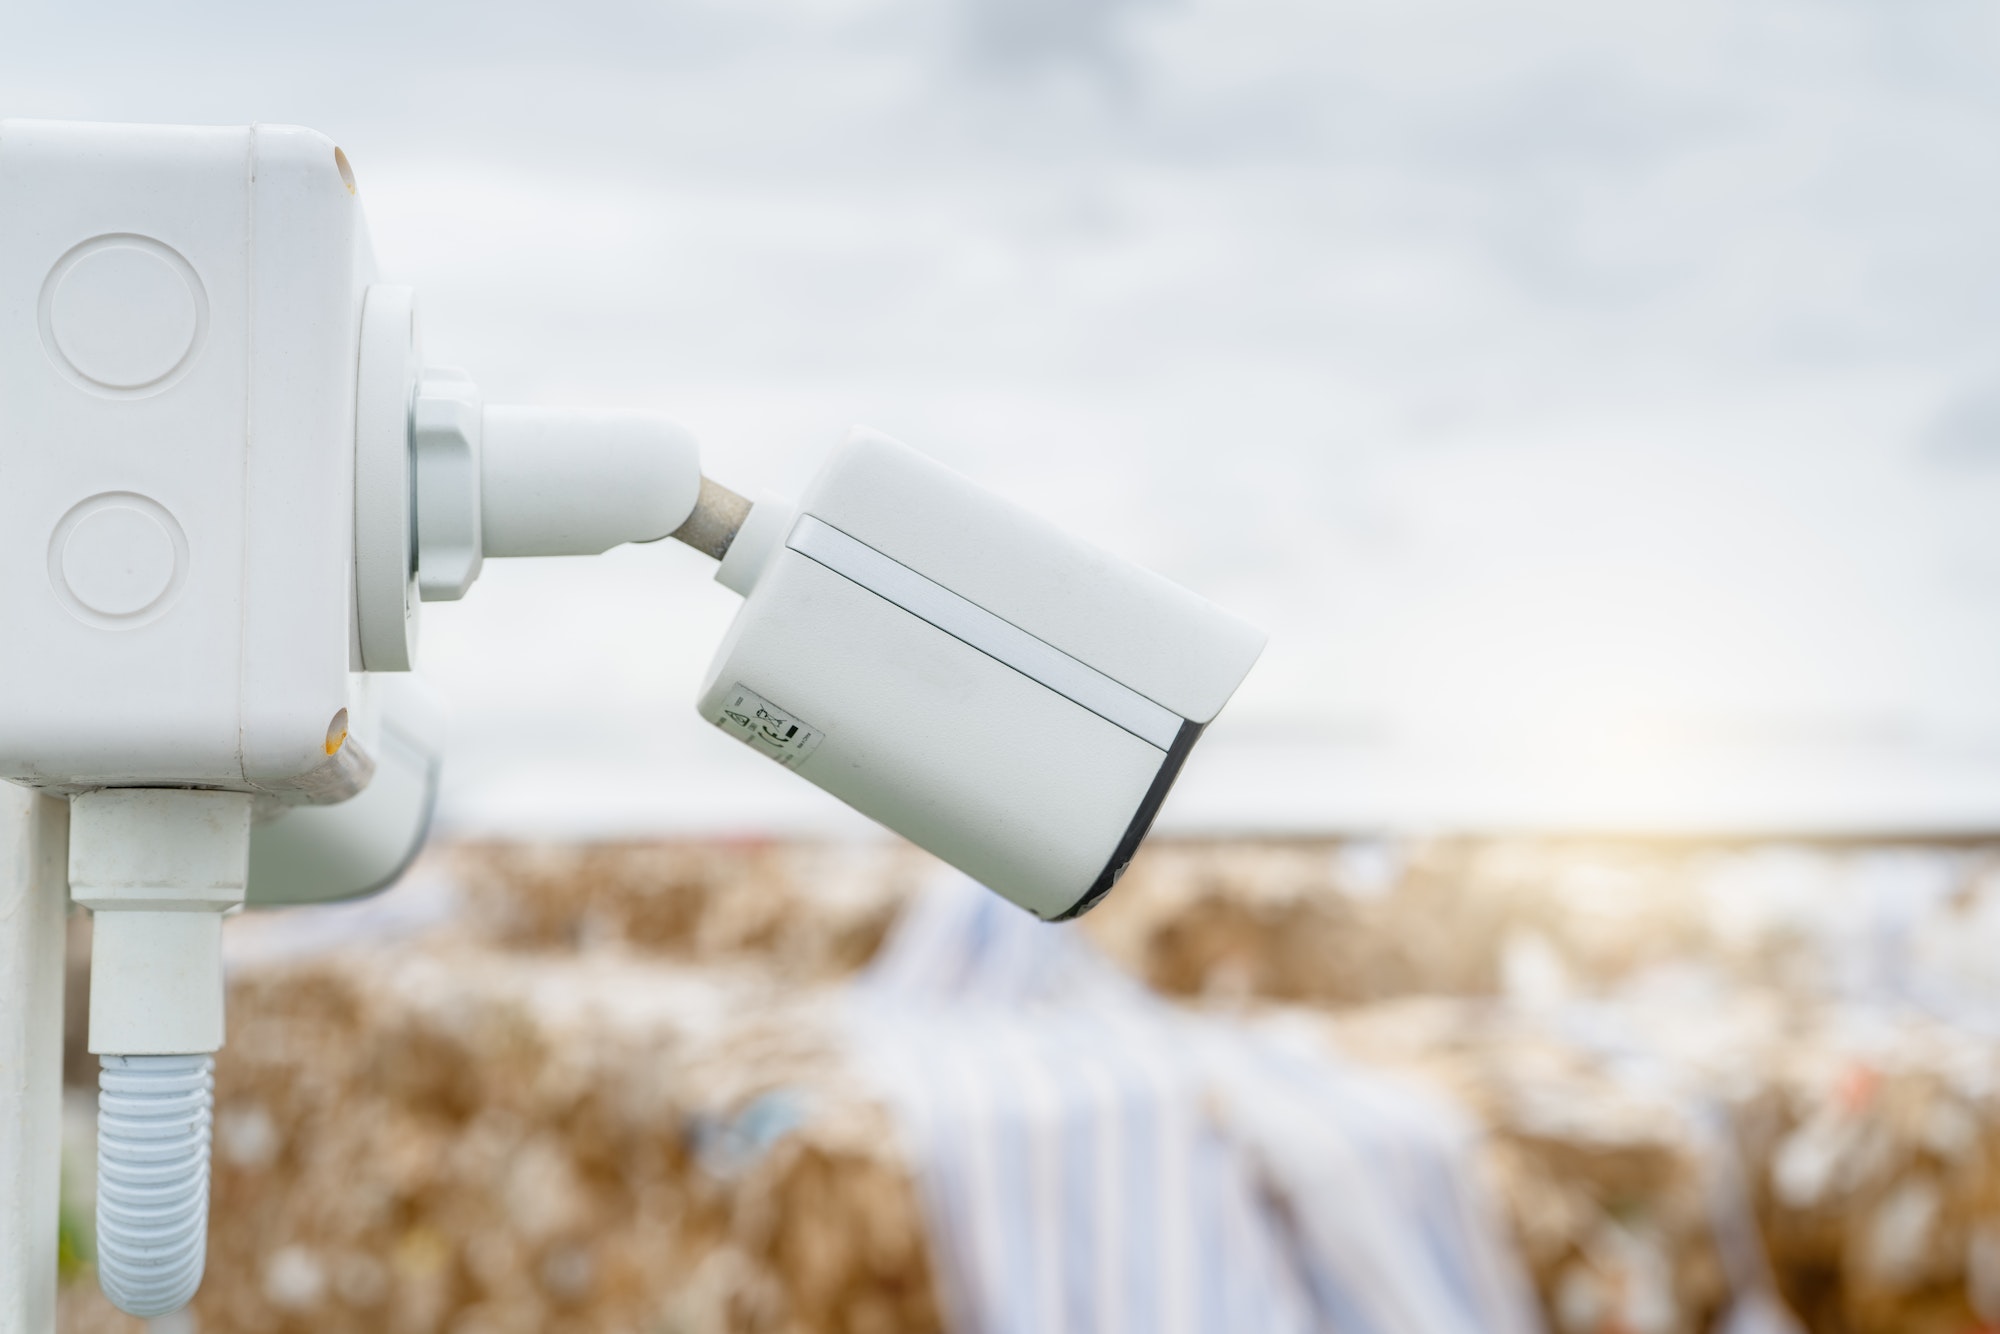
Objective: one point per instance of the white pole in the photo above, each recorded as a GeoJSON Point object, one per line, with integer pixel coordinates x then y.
{"type": "Point", "coordinates": [34, 875]}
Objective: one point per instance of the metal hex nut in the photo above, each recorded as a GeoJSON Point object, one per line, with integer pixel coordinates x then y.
{"type": "Point", "coordinates": [445, 440]}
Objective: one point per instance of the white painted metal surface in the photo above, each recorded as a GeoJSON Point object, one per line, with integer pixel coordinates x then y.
{"type": "Point", "coordinates": [1033, 658]}
{"type": "Point", "coordinates": [34, 838]}
{"type": "Point", "coordinates": [993, 689]}
{"type": "Point", "coordinates": [1144, 631]}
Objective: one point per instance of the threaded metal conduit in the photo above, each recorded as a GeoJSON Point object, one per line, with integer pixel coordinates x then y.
{"type": "Point", "coordinates": [718, 514]}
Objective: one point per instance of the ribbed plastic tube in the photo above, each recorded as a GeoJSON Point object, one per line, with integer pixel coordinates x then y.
{"type": "Point", "coordinates": [153, 1115]}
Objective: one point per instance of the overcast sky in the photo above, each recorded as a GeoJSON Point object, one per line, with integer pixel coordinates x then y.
{"type": "Point", "coordinates": [1599, 403]}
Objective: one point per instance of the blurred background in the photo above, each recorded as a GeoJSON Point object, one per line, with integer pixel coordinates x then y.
{"type": "Point", "coordinates": [1599, 406]}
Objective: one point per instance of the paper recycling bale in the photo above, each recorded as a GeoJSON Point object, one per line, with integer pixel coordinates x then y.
{"type": "Point", "coordinates": [1879, 1140]}
{"type": "Point", "coordinates": [1351, 922]}
{"type": "Point", "coordinates": [809, 911]}
{"type": "Point", "coordinates": [443, 1135]}
{"type": "Point", "coordinates": [600, 1093]}
{"type": "Point", "coordinates": [1603, 1184]}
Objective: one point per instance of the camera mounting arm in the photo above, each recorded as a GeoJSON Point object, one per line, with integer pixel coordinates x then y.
{"type": "Point", "coordinates": [443, 480]}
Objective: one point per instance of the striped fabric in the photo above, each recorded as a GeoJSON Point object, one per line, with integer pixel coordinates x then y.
{"type": "Point", "coordinates": [1091, 1159]}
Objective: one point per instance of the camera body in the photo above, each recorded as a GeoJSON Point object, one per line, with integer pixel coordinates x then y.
{"type": "Point", "coordinates": [1006, 696]}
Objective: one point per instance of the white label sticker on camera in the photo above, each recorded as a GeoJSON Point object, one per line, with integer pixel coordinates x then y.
{"type": "Point", "coordinates": [764, 726]}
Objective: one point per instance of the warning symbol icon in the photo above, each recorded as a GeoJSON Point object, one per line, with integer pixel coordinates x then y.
{"type": "Point", "coordinates": [764, 726]}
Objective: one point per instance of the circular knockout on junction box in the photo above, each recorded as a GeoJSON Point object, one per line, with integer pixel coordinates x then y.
{"type": "Point", "coordinates": [123, 315]}
{"type": "Point", "coordinates": [117, 560]}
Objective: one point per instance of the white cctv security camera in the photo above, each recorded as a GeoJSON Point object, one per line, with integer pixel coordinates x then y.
{"type": "Point", "coordinates": [230, 481]}
{"type": "Point", "coordinates": [1010, 698]}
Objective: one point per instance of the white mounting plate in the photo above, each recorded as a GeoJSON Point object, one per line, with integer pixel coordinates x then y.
{"type": "Point", "coordinates": [385, 563]}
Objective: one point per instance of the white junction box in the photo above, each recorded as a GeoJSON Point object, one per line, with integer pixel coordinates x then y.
{"type": "Point", "coordinates": [1013, 699]}
{"type": "Point", "coordinates": [179, 313]}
